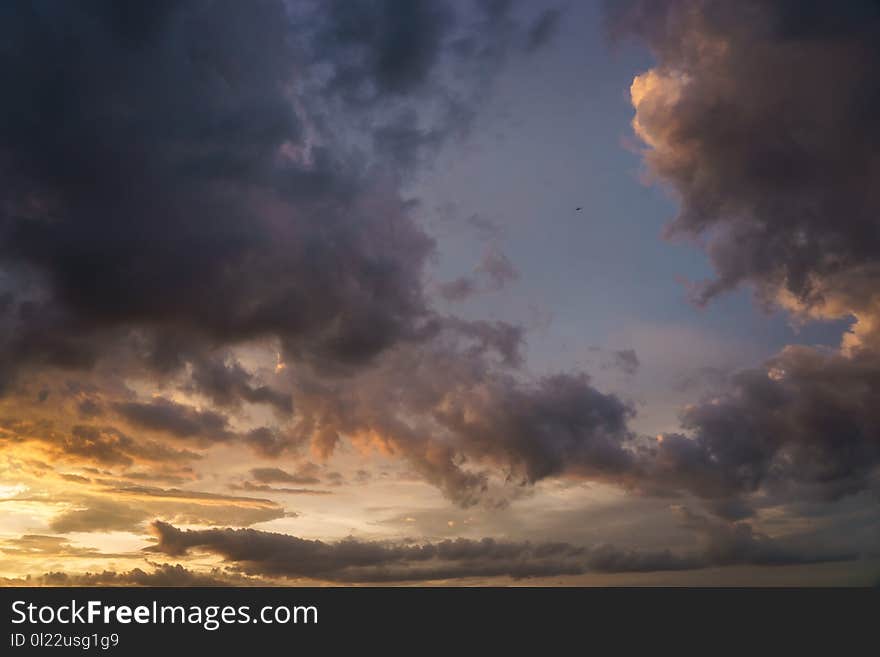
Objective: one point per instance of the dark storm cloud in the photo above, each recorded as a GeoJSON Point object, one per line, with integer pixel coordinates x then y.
{"type": "Point", "coordinates": [414, 72]}
{"type": "Point", "coordinates": [350, 560]}
{"type": "Point", "coordinates": [176, 419]}
{"type": "Point", "coordinates": [376, 50]}
{"type": "Point", "coordinates": [559, 425]}
{"type": "Point", "coordinates": [227, 383]}
{"type": "Point", "coordinates": [809, 428]}
{"type": "Point", "coordinates": [177, 477]}
{"type": "Point", "coordinates": [544, 29]}
{"type": "Point", "coordinates": [89, 408]}
{"type": "Point", "coordinates": [504, 339]}
{"type": "Point", "coordinates": [271, 442]}
{"type": "Point", "coordinates": [497, 268]}
{"type": "Point", "coordinates": [161, 575]}
{"type": "Point", "coordinates": [163, 177]}
{"type": "Point", "coordinates": [484, 227]}
{"type": "Point", "coordinates": [388, 46]}
{"type": "Point", "coordinates": [266, 553]}
{"type": "Point", "coordinates": [459, 411]}
{"type": "Point", "coordinates": [737, 543]}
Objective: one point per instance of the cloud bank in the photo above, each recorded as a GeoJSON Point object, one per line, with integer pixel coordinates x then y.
{"type": "Point", "coordinates": [271, 554]}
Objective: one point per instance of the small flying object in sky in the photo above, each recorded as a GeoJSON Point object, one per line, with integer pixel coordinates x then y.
{"type": "Point", "coordinates": [578, 209]}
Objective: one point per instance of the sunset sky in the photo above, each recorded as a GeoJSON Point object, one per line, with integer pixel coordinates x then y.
{"type": "Point", "coordinates": [377, 292]}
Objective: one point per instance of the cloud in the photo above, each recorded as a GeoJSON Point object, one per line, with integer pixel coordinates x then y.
{"type": "Point", "coordinates": [625, 360]}
{"type": "Point", "coordinates": [392, 49]}
{"type": "Point", "coordinates": [100, 515]}
{"type": "Point", "coordinates": [737, 543]}
{"type": "Point", "coordinates": [272, 554]}
{"type": "Point", "coordinates": [458, 289]}
{"type": "Point", "coordinates": [484, 227]}
{"type": "Point", "coordinates": [204, 122]}
{"type": "Point", "coordinates": [266, 488]}
{"type": "Point", "coordinates": [497, 268]}
{"type": "Point", "coordinates": [351, 560]}
{"type": "Point", "coordinates": [802, 426]}
{"type": "Point", "coordinates": [494, 272]}
{"type": "Point", "coordinates": [162, 575]}
{"type": "Point", "coordinates": [89, 408]}
{"type": "Point", "coordinates": [187, 194]}
{"type": "Point", "coordinates": [176, 419]}
{"type": "Point", "coordinates": [758, 116]}
{"type": "Point", "coordinates": [198, 507]}
{"type": "Point", "coordinates": [74, 478]}
{"type": "Point", "coordinates": [305, 475]}
{"type": "Point", "coordinates": [224, 138]}
{"type": "Point", "coordinates": [228, 383]}
{"type": "Point", "coordinates": [458, 412]}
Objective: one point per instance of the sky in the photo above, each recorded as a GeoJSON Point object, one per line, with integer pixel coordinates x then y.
{"type": "Point", "coordinates": [447, 293]}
